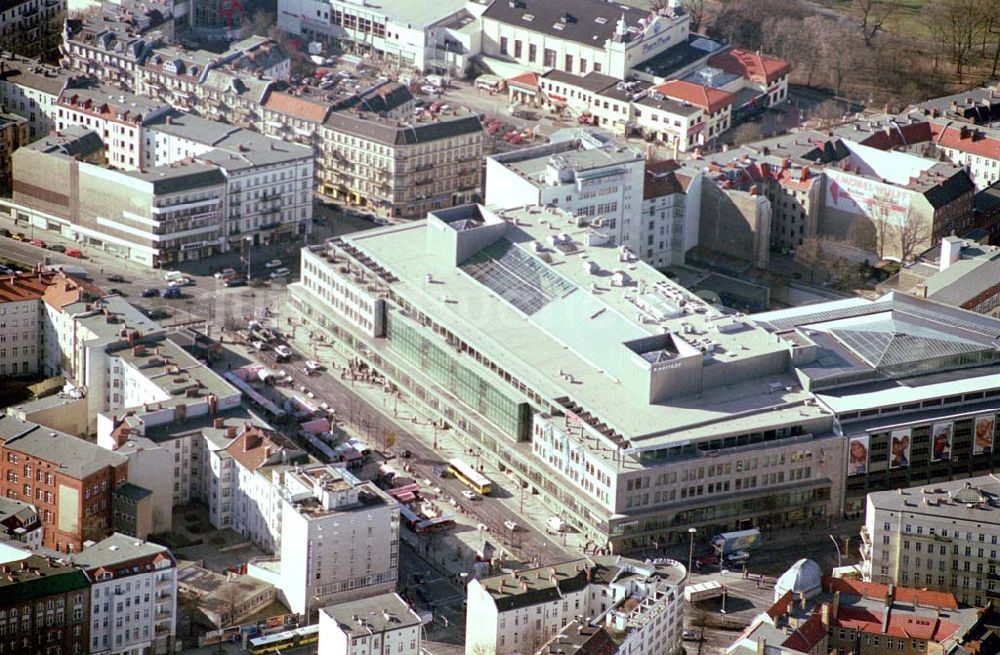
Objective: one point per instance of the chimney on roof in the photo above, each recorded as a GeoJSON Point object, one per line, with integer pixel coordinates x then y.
{"type": "Point", "coordinates": [951, 250]}
{"type": "Point", "coordinates": [804, 175]}
{"type": "Point", "coordinates": [890, 595]}
{"type": "Point", "coordinates": [219, 423]}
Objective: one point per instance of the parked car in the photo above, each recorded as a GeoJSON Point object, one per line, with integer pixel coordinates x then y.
{"type": "Point", "coordinates": [510, 525]}
{"type": "Point", "coordinates": [115, 277]}
{"type": "Point", "coordinates": [258, 345]}
{"type": "Point", "coordinates": [404, 453]}
{"type": "Point", "coordinates": [157, 314]}
{"type": "Point", "coordinates": [4, 232]}
{"type": "Point", "coordinates": [274, 263]}
{"type": "Point", "coordinates": [690, 635]}
{"type": "Point", "coordinates": [171, 292]}
{"type": "Point", "coordinates": [470, 495]}
{"type": "Point", "coordinates": [6, 270]}
{"type": "Point", "coordinates": [224, 273]}
{"type": "Point", "coordinates": [236, 281]}
{"type": "Point", "coordinates": [117, 292]}
{"type": "Point", "coordinates": [280, 272]}
{"type": "Point", "coordinates": [57, 247]}
{"type": "Point", "coordinates": [150, 293]}
{"type": "Point", "coordinates": [172, 275]}
{"type": "Point", "coordinates": [181, 282]}
{"type": "Point", "coordinates": [283, 352]}
{"type": "Point", "coordinates": [313, 365]}
{"type": "Point", "coordinates": [73, 252]}
{"type": "Point", "coordinates": [20, 237]}
{"type": "Point", "coordinates": [38, 243]}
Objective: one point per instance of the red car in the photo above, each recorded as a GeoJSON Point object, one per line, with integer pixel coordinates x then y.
{"type": "Point", "coordinates": [73, 252]}
{"type": "Point", "coordinates": [38, 242]}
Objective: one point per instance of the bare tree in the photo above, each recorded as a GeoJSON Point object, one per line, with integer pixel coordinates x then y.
{"type": "Point", "coordinates": [810, 256]}
{"type": "Point", "coordinates": [910, 232]}
{"type": "Point", "coordinates": [873, 15]}
{"type": "Point", "coordinates": [960, 25]}
{"type": "Point", "coordinates": [696, 10]}
{"type": "Point", "coordinates": [838, 47]}
{"type": "Point", "coordinates": [881, 219]}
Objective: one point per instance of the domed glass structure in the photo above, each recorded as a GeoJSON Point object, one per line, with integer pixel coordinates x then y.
{"type": "Point", "coordinates": [805, 577]}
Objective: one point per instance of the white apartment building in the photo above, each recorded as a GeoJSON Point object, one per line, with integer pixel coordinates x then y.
{"type": "Point", "coordinates": [517, 612]}
{"type": "Point", "coordinates": [378, 625]}
{"type": "Point", "coordinates": [603, 183]}
{"type": "Point", "coordinates": [31, 90]}
{"type": "Point", "coordinates": [241, 495]}
{"type": "Point", "coordinates": [440, 36]}
{"type": "Point", "coordinates": [943, 536]}
{"type": "Point", "coordinates": [117, 117]}
{"type": "Point", "coordinates": [588, 35]}
{"type": "Point", "coordinates": [683, 114]}
{"type": "Point", "coordinates": [269, 182]}
{"type": "Point", "coordinates": [21, 329]}
{"type": "Point", "coordinates": [133, 607]}
{"type": "Point", "coordinates": [340, 539]}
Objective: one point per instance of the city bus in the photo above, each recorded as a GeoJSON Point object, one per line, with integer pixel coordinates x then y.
{"type": "Point", "coordinates": [470, 477]}
{"type": "Point", "coordinates": [283, 640]}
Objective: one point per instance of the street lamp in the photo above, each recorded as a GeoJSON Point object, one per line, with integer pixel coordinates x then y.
{"type": "Point", "coordinates": [837, 545]}
{"type": "Point", "coordinates": [249, 242]}
{"type": "Point", "coordinates": [691, 533]}
{"type": "Point", "coordinates": [725, 589]}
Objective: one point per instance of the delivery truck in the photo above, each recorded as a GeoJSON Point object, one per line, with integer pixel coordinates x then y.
{"type": "Point", "coordinates": [728, 543]}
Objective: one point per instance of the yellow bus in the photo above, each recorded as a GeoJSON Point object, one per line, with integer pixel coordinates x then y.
{"type": "Point", "coordinates": [273, 644]}
{"type": "Point", "coordinates": [470, 477]}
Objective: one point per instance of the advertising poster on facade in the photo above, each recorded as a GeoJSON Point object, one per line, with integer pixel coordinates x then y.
{"type": "Point", "coordinates": [941, 434]}
{"type": "Point", "coordinates": [982, 433]}
{"type": "Point", "coordinates": [899, 448]}
{"type": "Point", "coordinates": [859, 195]}
{"type": "Point", "coordinates": [857, 455]}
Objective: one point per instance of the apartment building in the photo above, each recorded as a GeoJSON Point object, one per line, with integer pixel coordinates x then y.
{"type": "Point", "coordinates": [756, 81]}
{"type": "Point", "coordinates": [628, 457]}
{"type": "Point", "coordinates": [640, 602]}
{"type": "Point", "coordinates": [45, 604]}
{"type": "Point", "coordinates": [589, 36]}
{"type": "Point", "coordinates": [340, 538]}
{"type": "Point", "coordinates": [440, 37]}
{"type": "Point", "coordinates": [70, 480]}
{"type": "Point", "coordinates": [370, 626]}
{"type": "Point", "coordinates": [13, 135]}
{"type": "Point", "coordinates": [269, 182]}
{"type": "Point", "coordinates": [21, 324]}
{"type": "Point", "coordinates": [683, 114]}
{"type": "Point", "coordinates": [133, 595]}
{"type": "Point", "coordinates": [242, 495]}
{"type": "Point", "coordinates": [20, 524]}
{"type": "Point", "coordinates": [400, 169]}
{"type": "Point", "coordinates": [940, 536]}
{"type": "Point", "coordinates": [31, 90]}
{"type": "Point", "coordinates": [31, 27]}
{"type": "Point", "coordinates": [820, 614]}
{"type": "Point", "coordinates": [606, 184]}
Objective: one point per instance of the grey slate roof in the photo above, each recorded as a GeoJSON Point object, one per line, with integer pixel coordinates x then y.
{"type": "Point", "coordinates": [581, 18]}
{"type": "Point", "coordinates": [75, 457]}
{"type": "Point", "coordinates": [381, 98]}
{"type": "Point", "coordinates": [181, 176]}
{"type": "Point", "coordinates": [383, 613]}
{"type": "Point", "coordinates": [393, 133]}
{"type": "Point", "coordinates": [117, 549]}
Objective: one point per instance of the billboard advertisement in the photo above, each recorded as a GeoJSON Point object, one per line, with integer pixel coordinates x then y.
{"type": "Point", "coordinates": [858, 195]}
{"type": "Point", "coordinates": [857, 455]}
{"type": "Point", "coordinates": [941, 435]}
{"type": "Point", "coordinates": [982, 433]}
{"type": "Point", "coordinates": [899, 448]}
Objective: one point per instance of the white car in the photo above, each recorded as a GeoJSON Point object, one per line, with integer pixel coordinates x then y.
{"type": "Point", "coordinates": [274, 263]}
{"type": "Point", "coordinates": [283, 351]}
{"type": "Point", "coordinates": [470, 495]}
{"type": "Point", "coordinates": [280, 272]}
{"type": "Point", "coordinates": [224, 273]}
{"type": "Point", "coordinates": [510, 525]}
{"type": "Point", "coordinates": [313, 365]}
{"type": "Point", "coordinates": [182, 282]}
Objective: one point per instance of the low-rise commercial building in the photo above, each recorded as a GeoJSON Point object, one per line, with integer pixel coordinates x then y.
{"type": "Point", "coordinates": [403, 169]}
{"type": "Point", "coordinates": [133, 604]}
{"type": "Point", "coordinates": [370, 626]}
{"type": "Point", "coordinates": [224, 600]}
{"type": "Point", "coordinates": [70, 480]}
{"type": "Point", "coordinates": [45, 603]}
{"type": "Point", "coordinates": [665, 412]}
{"type": "Point", "coordinates": [683, 114]}
{"type": "Point", "coordinates": [641, 603]}
{"type": "Point", "coordinates": [588, 36]}
{"type": "Point", "coordinates": [441, 37]}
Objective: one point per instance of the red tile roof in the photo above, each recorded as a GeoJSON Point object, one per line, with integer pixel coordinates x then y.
{"type": "Point", "coordinates": [254, 446]}
{"type": "Point", "coordinates": [807, 636]}
{"type": "Point", "coordinates": [57, 289]}
{"type": "Point", "coordinates": [897, 136]}
{"type": "Point", "coordinates": [752, 66]}
{"type": "Point", "coordinates": [900, 624]}
{"type": "Point", "coordinates": [709, 99]}
{"type": "Point", "coordinates": [660, 179]}
{"type": "Point", "coordinates": [966, 139]}
{"type": "Point", "coordinates": [902, 594]}
{"type": "Point", "coordinates": [296, 106]}
{"type": "Point", "coordinates": [780, 607]}
{"type": "Point", "coordinates": [528, 80]}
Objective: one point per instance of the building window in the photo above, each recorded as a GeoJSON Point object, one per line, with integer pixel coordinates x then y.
{"type": "Point", "coordinates": [503, 45]}
{"type": "Point", "coordinates": [550, 58]}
